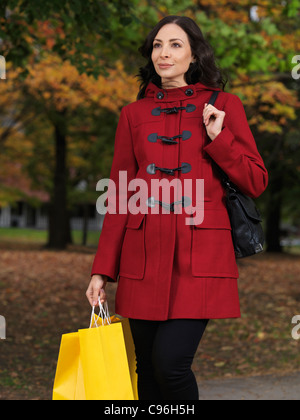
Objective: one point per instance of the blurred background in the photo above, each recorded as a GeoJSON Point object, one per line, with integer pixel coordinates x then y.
{"type": "Point", "coordinates": [66, 70]}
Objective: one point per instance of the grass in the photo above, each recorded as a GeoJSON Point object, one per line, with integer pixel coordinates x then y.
{"type": "Point", "coordinates": [35, 236]}
{"type": "Point", "coordinates": [292, 250]}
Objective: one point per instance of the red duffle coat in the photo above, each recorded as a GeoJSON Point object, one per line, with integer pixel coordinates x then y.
{"type": "Point", "coordinates": [165, 268]}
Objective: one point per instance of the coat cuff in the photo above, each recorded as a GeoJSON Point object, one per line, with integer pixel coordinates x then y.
{"type": "Point", "coordinates": [112, 274]}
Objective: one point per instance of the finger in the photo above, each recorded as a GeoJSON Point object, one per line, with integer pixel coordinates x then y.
{"type": "Point", "coordinates": [89, 295]}
{"type": "Point", "coordinates": [102, 296]}
{"type": "Point", "coordinates": [207, 107]}
{"type": "Point", "coordinates": [95, 296]}
{"type": "Point", "coordinates": [207, 111]}
{"type": "Point", "coordinates": [210, 114]}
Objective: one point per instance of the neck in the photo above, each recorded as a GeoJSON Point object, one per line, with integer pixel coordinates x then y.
{"type": "Point", "coordinates": [173, 84]}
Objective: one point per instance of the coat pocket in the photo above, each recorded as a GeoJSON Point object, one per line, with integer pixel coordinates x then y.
{"type": "Point", "coordinates": [212, 248]}
{"type": "Point", "coordinates": [133, 257]}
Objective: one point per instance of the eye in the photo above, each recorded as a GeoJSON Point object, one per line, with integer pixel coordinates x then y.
{"type": "Point", "coordinates": [156, 45]}
{"type": "Point", "coordinates": [176, 45]}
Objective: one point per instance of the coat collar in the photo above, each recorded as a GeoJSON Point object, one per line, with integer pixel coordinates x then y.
{"type": "Point", "coordinates": [177, 94]}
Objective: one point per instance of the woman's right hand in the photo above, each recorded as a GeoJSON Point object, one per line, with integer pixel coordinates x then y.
{"type": "Point", "coordinates": [96, 289]}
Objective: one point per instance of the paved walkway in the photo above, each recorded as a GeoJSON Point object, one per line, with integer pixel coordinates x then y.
{"type": "Point", "coordinates": [278, 388]}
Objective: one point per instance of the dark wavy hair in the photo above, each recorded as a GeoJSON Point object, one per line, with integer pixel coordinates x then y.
{"type": "Point", "coordinates": [204, 70]}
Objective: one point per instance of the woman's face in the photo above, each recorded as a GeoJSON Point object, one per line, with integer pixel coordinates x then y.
{"type": "Point", "coordinates": [172, 55]}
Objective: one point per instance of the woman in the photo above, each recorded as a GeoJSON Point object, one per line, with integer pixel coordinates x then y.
{"type": "Point", "coordinates": [173, 276]}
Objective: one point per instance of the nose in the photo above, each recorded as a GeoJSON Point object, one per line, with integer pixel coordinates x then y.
{"type": "Point", "coordinates": [165, 52]}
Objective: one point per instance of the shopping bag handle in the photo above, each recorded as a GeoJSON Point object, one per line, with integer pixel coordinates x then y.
{"type": "Point", "coordinates": [103, 314]}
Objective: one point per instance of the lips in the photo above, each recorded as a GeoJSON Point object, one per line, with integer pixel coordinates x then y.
{"type": "Point", "coordinates": [165, 66]}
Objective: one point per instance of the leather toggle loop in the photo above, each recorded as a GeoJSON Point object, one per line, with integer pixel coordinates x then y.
{"type": "Point", "coordinates": [169, 140]}
{"type": "Point", "coordinates": [174, 110]}
{"type": "Point", "coordinates": [184, 168]}
{"type": "Point", "coordinates": [189, 108]}
{"type": "Point", "coordinates": [185, 202]}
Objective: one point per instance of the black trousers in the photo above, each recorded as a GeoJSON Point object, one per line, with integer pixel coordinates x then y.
{"type": "Point", "coordinates": [165, 351]}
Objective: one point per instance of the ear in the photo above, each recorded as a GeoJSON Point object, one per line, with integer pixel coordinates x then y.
{"type": "Point", "coordinates": [193, 59]}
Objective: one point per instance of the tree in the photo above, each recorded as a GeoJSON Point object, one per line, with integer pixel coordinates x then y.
{"type": "Point", "coordinates": [61, 94]}
{"type": "Point", "coordinates": [15, 183]}
{"type": "Point", "coordinates": [29, 31]}
{"type": "Point", "coordinates": [72, 29]}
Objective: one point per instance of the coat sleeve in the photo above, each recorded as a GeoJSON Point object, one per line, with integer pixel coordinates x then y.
{"type": "Point", "coordinates": [235, 151]}
{"type": "Point", "coordinates": [107, 259]}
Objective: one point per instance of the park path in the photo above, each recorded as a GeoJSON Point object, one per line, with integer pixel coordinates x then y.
{"type": "Point", "coordinates": [268, 387]}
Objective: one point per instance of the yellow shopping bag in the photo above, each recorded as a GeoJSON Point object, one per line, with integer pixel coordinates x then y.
{"type": "Point", "coordinates": [97, 363]}
{"type": "Point", "coordinates": [69, 383]}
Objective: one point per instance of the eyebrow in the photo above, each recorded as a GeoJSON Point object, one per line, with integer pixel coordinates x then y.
{"type": "Point", "coordinates": [171, 40]}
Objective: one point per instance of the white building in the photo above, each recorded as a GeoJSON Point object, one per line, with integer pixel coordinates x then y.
{"type": "Point", "coordinates": [23, 215]}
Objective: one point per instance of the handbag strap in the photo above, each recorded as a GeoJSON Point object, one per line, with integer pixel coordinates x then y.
{"type": "Point", "coordinates": [224, 177]}
{"type": "Point", "coordinates": [213, 98]}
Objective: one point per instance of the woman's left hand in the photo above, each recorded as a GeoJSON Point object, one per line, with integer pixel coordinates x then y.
{"type": "Point", "coordinates": [213, 120]}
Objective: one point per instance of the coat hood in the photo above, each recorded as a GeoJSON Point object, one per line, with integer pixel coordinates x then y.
{"type": "Point", "coordinates": [176, 94]}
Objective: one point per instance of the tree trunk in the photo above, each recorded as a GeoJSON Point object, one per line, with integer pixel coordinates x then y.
{"type": "Point", "coordinates": [59, 224]}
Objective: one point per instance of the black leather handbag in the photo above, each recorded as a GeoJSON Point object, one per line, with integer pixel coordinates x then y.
{"type": "Point", "coordinates": [245, 218]}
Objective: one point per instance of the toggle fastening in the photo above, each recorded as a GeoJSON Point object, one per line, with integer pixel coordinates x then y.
{"type": "Point", "coordinates": [185, 202]}
{"type": "Point", "coordinates": [169, 140]}
{"type": "Point", "coordinates": [174, 110]}
{"type": "Point", "coordinates": [184, 168]}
